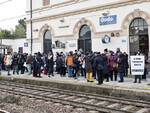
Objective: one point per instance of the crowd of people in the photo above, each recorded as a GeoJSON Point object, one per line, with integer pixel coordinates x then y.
{"type": "Point", "coordinates": [91, 65]}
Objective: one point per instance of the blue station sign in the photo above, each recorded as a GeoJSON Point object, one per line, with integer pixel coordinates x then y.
{"type": "Point", "coordinates": [108, 20]}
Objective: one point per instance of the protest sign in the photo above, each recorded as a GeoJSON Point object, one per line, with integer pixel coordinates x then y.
{"type": "Point", "coordinates": [137, 65]}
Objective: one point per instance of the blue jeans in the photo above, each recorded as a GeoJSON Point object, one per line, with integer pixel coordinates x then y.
{"type": "Point", "coordinates": [0, 67]}
{"type": "Point", "coordinates": [69, 69]}
{"type": "Point", "coordinates": [15, 69]}
{"type": "Point", "coordinates": [29, 68]}
{"type": "Point", "coordinates": [121, 76]}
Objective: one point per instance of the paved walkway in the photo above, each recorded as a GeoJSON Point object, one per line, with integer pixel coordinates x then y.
{"type": "Point", "coordinates": [127, 84]}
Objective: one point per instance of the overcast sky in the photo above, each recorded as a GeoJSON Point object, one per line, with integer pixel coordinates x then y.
{"type": "Point", "coordinates": [13, 8]}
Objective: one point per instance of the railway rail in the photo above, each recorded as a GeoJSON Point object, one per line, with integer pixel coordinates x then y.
{"type": "Point", "coordinates": [100, 103]}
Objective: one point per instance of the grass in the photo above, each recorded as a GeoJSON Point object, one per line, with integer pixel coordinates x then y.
{"type": "Point", "coordinates": [11, 100]}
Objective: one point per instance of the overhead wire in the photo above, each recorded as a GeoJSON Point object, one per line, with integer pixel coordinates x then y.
{"type": "Point", "coordinates": [5, 2]}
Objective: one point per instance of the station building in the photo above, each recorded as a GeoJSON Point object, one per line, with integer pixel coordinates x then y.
{"type": "Point", "coordinates": [89, 25]}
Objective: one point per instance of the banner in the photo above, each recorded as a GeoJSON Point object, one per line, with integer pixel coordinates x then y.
{"type": "Point", "coordinates": [137, 65]}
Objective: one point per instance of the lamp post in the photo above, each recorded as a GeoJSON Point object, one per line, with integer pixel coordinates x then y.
{"type": "Point", "coordinates": [31, 25]}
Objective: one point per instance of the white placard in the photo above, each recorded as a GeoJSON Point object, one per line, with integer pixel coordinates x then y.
{"type": "Point", "coordinates": [137, 65]}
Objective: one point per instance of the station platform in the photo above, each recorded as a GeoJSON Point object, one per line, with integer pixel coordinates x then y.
{"type": "Point", "coordinates": [127, 89]}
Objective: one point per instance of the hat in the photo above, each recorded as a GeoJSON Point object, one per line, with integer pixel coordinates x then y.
{"type": "Point", "coordinates": [106, 50]}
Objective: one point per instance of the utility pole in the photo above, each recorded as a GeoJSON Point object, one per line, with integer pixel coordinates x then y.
{"type": "Point", "coordinates": [31, 25]}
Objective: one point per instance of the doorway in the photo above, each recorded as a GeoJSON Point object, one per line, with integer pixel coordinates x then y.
{"type": "Point", "coordinates": [84, 41]}
{"type": "Point", "coordinates": [138, 34]}
{"type": "Point", "coordinates": [47, 42]}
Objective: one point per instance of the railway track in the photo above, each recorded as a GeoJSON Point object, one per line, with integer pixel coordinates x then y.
{"type": "Point", "coordinates": [102, 104]}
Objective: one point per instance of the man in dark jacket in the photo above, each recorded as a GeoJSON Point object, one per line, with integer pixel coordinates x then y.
{"type": "Point", "coordinates": [76, 66]}
{"type": "Point", "coordinates": [93, 67]}
{"type": "Point", "coordinates": [15, 64]}
{"type": "Point", "coordinates": [99, 64]}
{"type": "Point", "coordinates": [37, 63]}
{"type": "Point", "coordinates": [49, 64]}
{"type": "Point", "coordinates": [121, 66]}
{"type": "Point", "coordinates": [126, 64]}
{"type": "Point", "coordinates": [106, 67]}
{"type": "Point", "coordinates": [21, 61]}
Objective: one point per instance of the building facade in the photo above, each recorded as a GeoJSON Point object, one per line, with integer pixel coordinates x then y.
{"type": "Point", "coordinates": [14, 45]}
{"type": "Point", "coordinates": [89, 25]}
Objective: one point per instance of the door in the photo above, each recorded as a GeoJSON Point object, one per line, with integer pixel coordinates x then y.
{"type": "Point", "coordinates": [138, 34]}
{"type": "Point", "coordinates": [47, 42]}
{"type": "Point", "coordinates": [143, 44]}
{"type": "Point", "coordinates": [84, 41]}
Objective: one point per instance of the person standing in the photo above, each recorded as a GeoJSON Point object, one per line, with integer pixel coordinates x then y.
{"type": "Point", "coordinates": [106, 67]}
{"type": "Point", "coordinates": [37, 63]}
{"type": "Point", "coordinates": [99, 64]}
{"type": "Point", "coordinates": [21, 63]}
{"type": "Point", "coordinates": [113, 67]}
{"type": "Point", "coordinates": [8, 63]}
{"type": "Point", "coordinates": [83, 71]}
{"type": "Point", "coordinates": [138, 76]}
{"type": "Point", "coordinates": [126, 64]}
{"type": "Point", "coordinates": [15, 63]}
{"type": "Point", "coordinates": [49, 64]}
{"type": "Point", "coordinates": [117, 52]}
{"type": "Point", "coordinates": [93, 67]}
{"type": "Point", "coordinates": [5, 58]}
{"type": "Point", "coordinates": [121, 66]}
{"type": "Point", "coordinates": [63, 68]}
{"type": "Point", "coordinates": [76, 66]}
{"type": "Point", "coordinates": [69, 62]}
{"type": "Point", "coordinates": [112, 62]}
{"type": "Point", "coordinates": [1, 63]}
{"type": "Point", "coordinates": [148, 64]}
{"type": "Point", "coordinates": [29, 63]}
{"type": "Point", "coordinates": [88, 68]}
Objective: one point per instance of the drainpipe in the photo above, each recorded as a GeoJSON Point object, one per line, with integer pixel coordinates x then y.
{"type": "Point", "coordinates": [31, 25]}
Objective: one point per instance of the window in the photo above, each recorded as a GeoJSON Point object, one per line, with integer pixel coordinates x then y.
{"type": "Point", "coordinates": [47, 39]}
{"type": "Point", "coordinates": [47, 35]}
{"type": "Point", "coordinates": [139, 39]}
{"type": "Point", "coordinates": [46, 2]}
{"type": "Point", "coordinates": [84, 41]}
{"type": "Point", "coordinates": [138, 27]}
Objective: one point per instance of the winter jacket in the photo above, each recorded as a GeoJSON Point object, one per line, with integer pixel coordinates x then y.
{"type": "Point", "coordinates": [5, 58]}
{"type": "Point", "coordinates": [88, 64]}
{"type": "Point", "coordinates": [76, 62]}
{"type": "Point", "coordinates": [49, 62]}
{"type": "Point", "coordinates": [15, 60]}
{"type": "Point", "coordinates": [126, 61]}
{"type": "Point", "coordinates": [106, 66]}
{"type": "Point", "coordinates": [121, 64]}
{"type": "Point", "coordinates": [9, 60]}
{"type": "Point", "coordinates": [29, 60]}
{"type": "Point", "coordinates": [69, 60]}
{"type": "Point", "coordinates": [148, 64]}
{"type": "Point", "coordinates": [112, 60]}
{"type": "Point", "coordinates": [99, 63]}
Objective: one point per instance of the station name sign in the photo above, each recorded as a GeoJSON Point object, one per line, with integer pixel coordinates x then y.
{"type": "Point", "coordinates": [108, 20]}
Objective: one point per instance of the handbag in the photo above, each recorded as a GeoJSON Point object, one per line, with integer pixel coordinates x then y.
{"type": "Point", "coordinates": [115, 65]}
